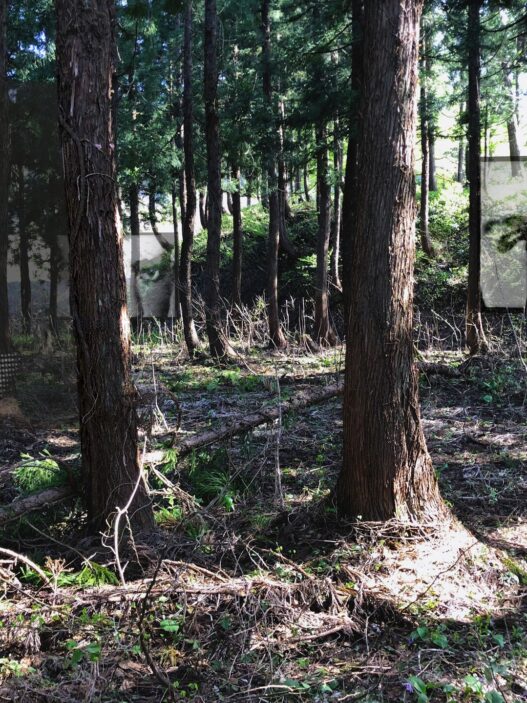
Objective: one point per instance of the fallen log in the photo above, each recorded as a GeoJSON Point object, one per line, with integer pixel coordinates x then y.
{"type": "Point", "coordinates": [252, 420]}
{"type": "Point", "coordinates": [433, 369]}
{"type": "Point", "coordinates": [36, 501]}
{"type": "Point", "coordinates": [52, 496]}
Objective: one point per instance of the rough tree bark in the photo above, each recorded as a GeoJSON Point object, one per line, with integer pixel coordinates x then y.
{"type": "Point", "coordinates": [386, 470]}
{"type": "Point", "coordinates": [237, 238]}
{"type": "Point", "coordinates": [86, 56]}
{"type": "Point", "coordinates": [323, 333]}
{"type": "Point", "coordinates": [189, 328]}
{"type": "Point", "coordinates": [276, 334]}
{"type": "Point", "coordinates": [5, 343]}
{"type": "Point", "coordinates": [475, 335]}
{"type": "Point", "coordinates": [218, 344]}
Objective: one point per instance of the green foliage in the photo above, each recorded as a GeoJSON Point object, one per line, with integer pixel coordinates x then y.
{"type": "Point", "coordinates": [38, 474]}
{"type": "Point", "coordinates": [211, 479]}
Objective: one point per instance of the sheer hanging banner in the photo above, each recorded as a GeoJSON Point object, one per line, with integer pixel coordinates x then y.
{"type": "Point", "coordinates": [504, 233]}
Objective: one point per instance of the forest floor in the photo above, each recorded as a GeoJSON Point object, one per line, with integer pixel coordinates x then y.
{"type": "Point", "coordinates": [252, 589]}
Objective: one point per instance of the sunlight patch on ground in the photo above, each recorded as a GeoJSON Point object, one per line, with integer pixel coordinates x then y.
{"type": "Point", "coordinates": [450, 575]}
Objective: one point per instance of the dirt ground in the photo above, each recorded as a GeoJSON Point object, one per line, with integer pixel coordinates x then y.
{"type": "Point", "coordinates": [252, 589]}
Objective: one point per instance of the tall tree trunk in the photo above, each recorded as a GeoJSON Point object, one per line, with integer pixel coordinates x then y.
{"type": "Point", "coordinates": [337, 212]}
{"type": "Point", "coordinates": [475, 334]}
{"type": "Point", "coordinates": [386, 471]}
{"type": "Point", "coordinates": [108, 420]}
{"type": "Point", "coordinates": [307, 194]}
{"type": "Point", "coordinates": [177, 252]}
{"type": "Point", "coordinates": [5, 169]}
{"type": "Point", "coordinates": [54, 266]}
{"type": "Point", "coordinates": [135, 235]}
{"type": "Point", "coordinates": [324, 333]}
{"type": "Point", "coordinates": [218, 343]}
{"type": "Point", "coordinates": [276, 334]}
{"type": "Point", "coordinates": [432, 177]}
{"type": "Point", "coordinates": [512, 125]}
{"type": "Point", "coordinates": [237, 238]}
{"type": "Point", "coordinates": [152, 216]}
{"type": "Point", "coordinates": [203, 209]}
{"type": "Point", "coordinates": [285, 210]}
{"type": "Point", "coordinates": [229, 203]}
{"type": "Point", "coordinates": [189, 328]}
{"type": "Point", "coordinates": [350, 183]}
{"type": "Point", "coordinates": [25, 280]}
{"type": "Point", "coordinates": [461, 147]}
{"type": "Point", "coordinates": [426, 242]}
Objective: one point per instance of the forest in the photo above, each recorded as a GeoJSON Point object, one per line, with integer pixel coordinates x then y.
{"type": "Point", "coordinates": [263, 351]}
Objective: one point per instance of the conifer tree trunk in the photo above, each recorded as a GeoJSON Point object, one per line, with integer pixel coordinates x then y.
{"type": "Point", "coordinates": [25, 280]}
{"type": "Point", "coordinates": [386, 471]}
{"type": "Point", "coordinates": [86, 55]}
{"type": "Point", "coordinates": [237, 238]}
{"type": "Point", "coordinates": [461, 148]}
{"type": "Point", "coordinates": [276, 334]}
{"type": "Point", "coordinates": [189, 328]}
{"type": "Point", "coordinates": [135, 235]}
{"type": "Point", "coordinates": [218, 344]}
{"type": "Point", "coordinates": [426, 242]}
{"type": "Point", "coordinates": [324, 333]}
{"type": "Point", "coordinates": [512, 126]}
{"type": "Point", "coordinates": [432, 178]}
{"type": "Point", "coordinates": [336, 221]}
{"type": "Point", "coordinates": [307, 194]}
{"type": "Point", "coordinates": [203, 209]}
{"type": "Point", "coordinates": [475, 335]}
{"type": "Point", "coordinates": [54, 258]}
{"type": "Point", "coordinates": [4, 183]}
{"type": "Point", "coordinates": [177, 252]}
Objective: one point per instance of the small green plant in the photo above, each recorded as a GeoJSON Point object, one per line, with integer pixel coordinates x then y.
{"type": "Point", "coordinates": [37, 474]}
{"type": "Point", "coordinates": [429, 635]}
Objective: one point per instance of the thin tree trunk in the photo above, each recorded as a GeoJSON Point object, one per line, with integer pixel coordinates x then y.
{"type": "Point", "coordinates": [202, 210]}
{"type": "Point", "coordinates": [177, 253]}
{"type": "Point", "coordinates": [135, 235]}
{"type": "Point", "coordinates": [324, 333]}
{"type": "Point", "coordinates": [108, 420]}
{"type": "Point", "coordinates": [54, 263]}
{"type": "Point", "coordinates": [475, 334]}
{"type": "Point", "coordinates": [461, 147]}
{"type": "Point", "coordinates": [237, 239]}
{"type": "Point", "coordinates": [229, 202]}
{"type": "Point", "coordinates": [432, 177]}
{"type": "Point", "coordinates": [285, 211]}
{"type": "Point", "coordinates": [276, 334]}
{"type": "Point", "coordinates": [25, 280]}
{"type": "Point", "coordinates": [426, 242]}
{"type": "Point", "coordinates": [512, 126]}
{"type": "Point", "coordinates": [307, 194]}
{"type": "Point", "coordinates": [337, 211]}
{"type": "Point", "coordinates": [189, 328]}
{"type": "Point", "coordinates": [218, 344]}
{"type": "Point", "coordinates": [386, 471]}
{"type": "Point", "coordinates": [5, 169]}
{"type": "Point", "coordinates": [152, 216]}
